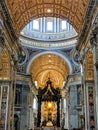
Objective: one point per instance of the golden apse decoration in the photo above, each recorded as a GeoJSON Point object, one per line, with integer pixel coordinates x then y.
{"type": "Point", "coordinates": [48, 105]}
{"type": "Point", "coordinates": [48, 112]}
{"type": "Point", "coordinates": [49, 66]}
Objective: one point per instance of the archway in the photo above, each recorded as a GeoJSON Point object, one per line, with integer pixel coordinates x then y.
{"type": "Point", "coordinates": [49, 65]}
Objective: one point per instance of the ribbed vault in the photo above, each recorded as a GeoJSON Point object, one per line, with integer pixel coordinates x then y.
{"type": "Point", "coordinates": [22, 11]}
{"type": "Point", "coordinates": [49, 66]}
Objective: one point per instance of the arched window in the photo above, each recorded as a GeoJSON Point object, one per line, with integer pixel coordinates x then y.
{"type": "Point", "coordinates": [49, 26]}
{"type": "Point", "coordinates": [63, 25]}
{"type": "Point", "coordinates": [36, 24]}
{"type": "Point", "coordinates": [34, 103]}
{"type": "Point", "coordinates": [64, 103]}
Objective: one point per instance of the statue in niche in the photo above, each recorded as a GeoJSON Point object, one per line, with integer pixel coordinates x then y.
{"type": "Point", "coordinates": [79, 95]}
{"type": "Point", "coordinates": [49, 116]}
{"type": "Point", "coordinates": [49, 111]}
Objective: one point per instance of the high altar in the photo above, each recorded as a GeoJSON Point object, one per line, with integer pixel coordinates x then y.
{"type": "Point", "coordinates": [48, 107]}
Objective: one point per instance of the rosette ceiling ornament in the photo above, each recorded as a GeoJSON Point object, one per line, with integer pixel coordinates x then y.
{"type": "Point", "coordinates": [22, 11]}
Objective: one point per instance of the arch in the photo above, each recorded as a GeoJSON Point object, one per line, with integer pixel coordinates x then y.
{"type": "Point", "coordinates": [51, 52]}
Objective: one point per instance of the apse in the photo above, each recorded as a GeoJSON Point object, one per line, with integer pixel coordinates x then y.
{"type": "Point", "coordinates": [49, 66]}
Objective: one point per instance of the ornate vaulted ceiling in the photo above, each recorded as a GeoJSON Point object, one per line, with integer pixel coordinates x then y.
{"type": "Point", "coordinates": [49, 66]}
{"type": "Point", "coordinates": [22, 11]}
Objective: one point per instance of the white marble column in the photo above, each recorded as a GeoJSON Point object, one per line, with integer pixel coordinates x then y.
{"type": "Point", "coordinates": [24, 110]}
{"type": "Point", "coordinates": [73, 113]}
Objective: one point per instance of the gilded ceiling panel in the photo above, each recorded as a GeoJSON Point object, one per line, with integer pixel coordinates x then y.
{"type": "Point", "coordinates": [56, 78]}
{"type": "Point", "coordinates": [22, 11]}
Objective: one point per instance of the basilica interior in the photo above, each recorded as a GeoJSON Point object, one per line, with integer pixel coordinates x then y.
{"type": "Point", "coordinates": [48, 65]}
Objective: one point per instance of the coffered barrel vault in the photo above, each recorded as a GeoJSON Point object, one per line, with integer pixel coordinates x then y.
{"type": "Point", "coordinates": [22, 11]}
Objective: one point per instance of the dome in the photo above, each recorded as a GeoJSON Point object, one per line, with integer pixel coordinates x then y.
{"type": "Point", "coordinates": [48, 32]}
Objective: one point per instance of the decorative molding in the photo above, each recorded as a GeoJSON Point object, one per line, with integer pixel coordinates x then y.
{"type": "Point", "coordinates": [87, 23]}
{"type": "Point", "coordinates": [2, 40]}
{"type": "Point", "coordinates": [49, 45]}
{"type": "Point", "coordinates": [94, 43]}
{"type": "Point", "coordinates": [90, 117]}
{"type": "Point", "coordinates": [94, 36]}
{"type": "Point", "coordinates": [7, 21]}
{"type": "Point", "coordinates": [8, 24]}
{"type": "Point", "coordinates": [49, 36]}
{"type": "Point", "coordinates": [58, 53]}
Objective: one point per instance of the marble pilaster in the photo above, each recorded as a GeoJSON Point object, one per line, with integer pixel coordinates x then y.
{"type": "Point", "coordinates": [73, 113]}
{"type": "Point", "coordinates": [24, 110]}
{"type": "Point", "coordinates": [4, 104]}
{"type": "Point", "coordinates": [89, 105]}
{"type": "Point", "coordinates": [94, 43]}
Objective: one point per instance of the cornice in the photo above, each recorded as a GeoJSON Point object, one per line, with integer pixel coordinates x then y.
{"type": "Point", "coordinates": [87, 23]}
{"type": "Point", "coordinates": [94, 37]}
{"type": "Point", "coordinates": [48, 45]}
{"type": "Point", "coordinates": [7, 21]}
{"type": "Point", "coordinates": [8, 24]}
{"type": "Point", "coordinates": [94, 33]}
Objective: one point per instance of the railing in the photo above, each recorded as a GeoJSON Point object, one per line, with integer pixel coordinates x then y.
{"type": "Point", "coordinates": [25, 41]}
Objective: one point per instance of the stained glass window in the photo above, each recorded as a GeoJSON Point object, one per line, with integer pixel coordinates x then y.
{"type": "Point", "coordinates": [34, 103]}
